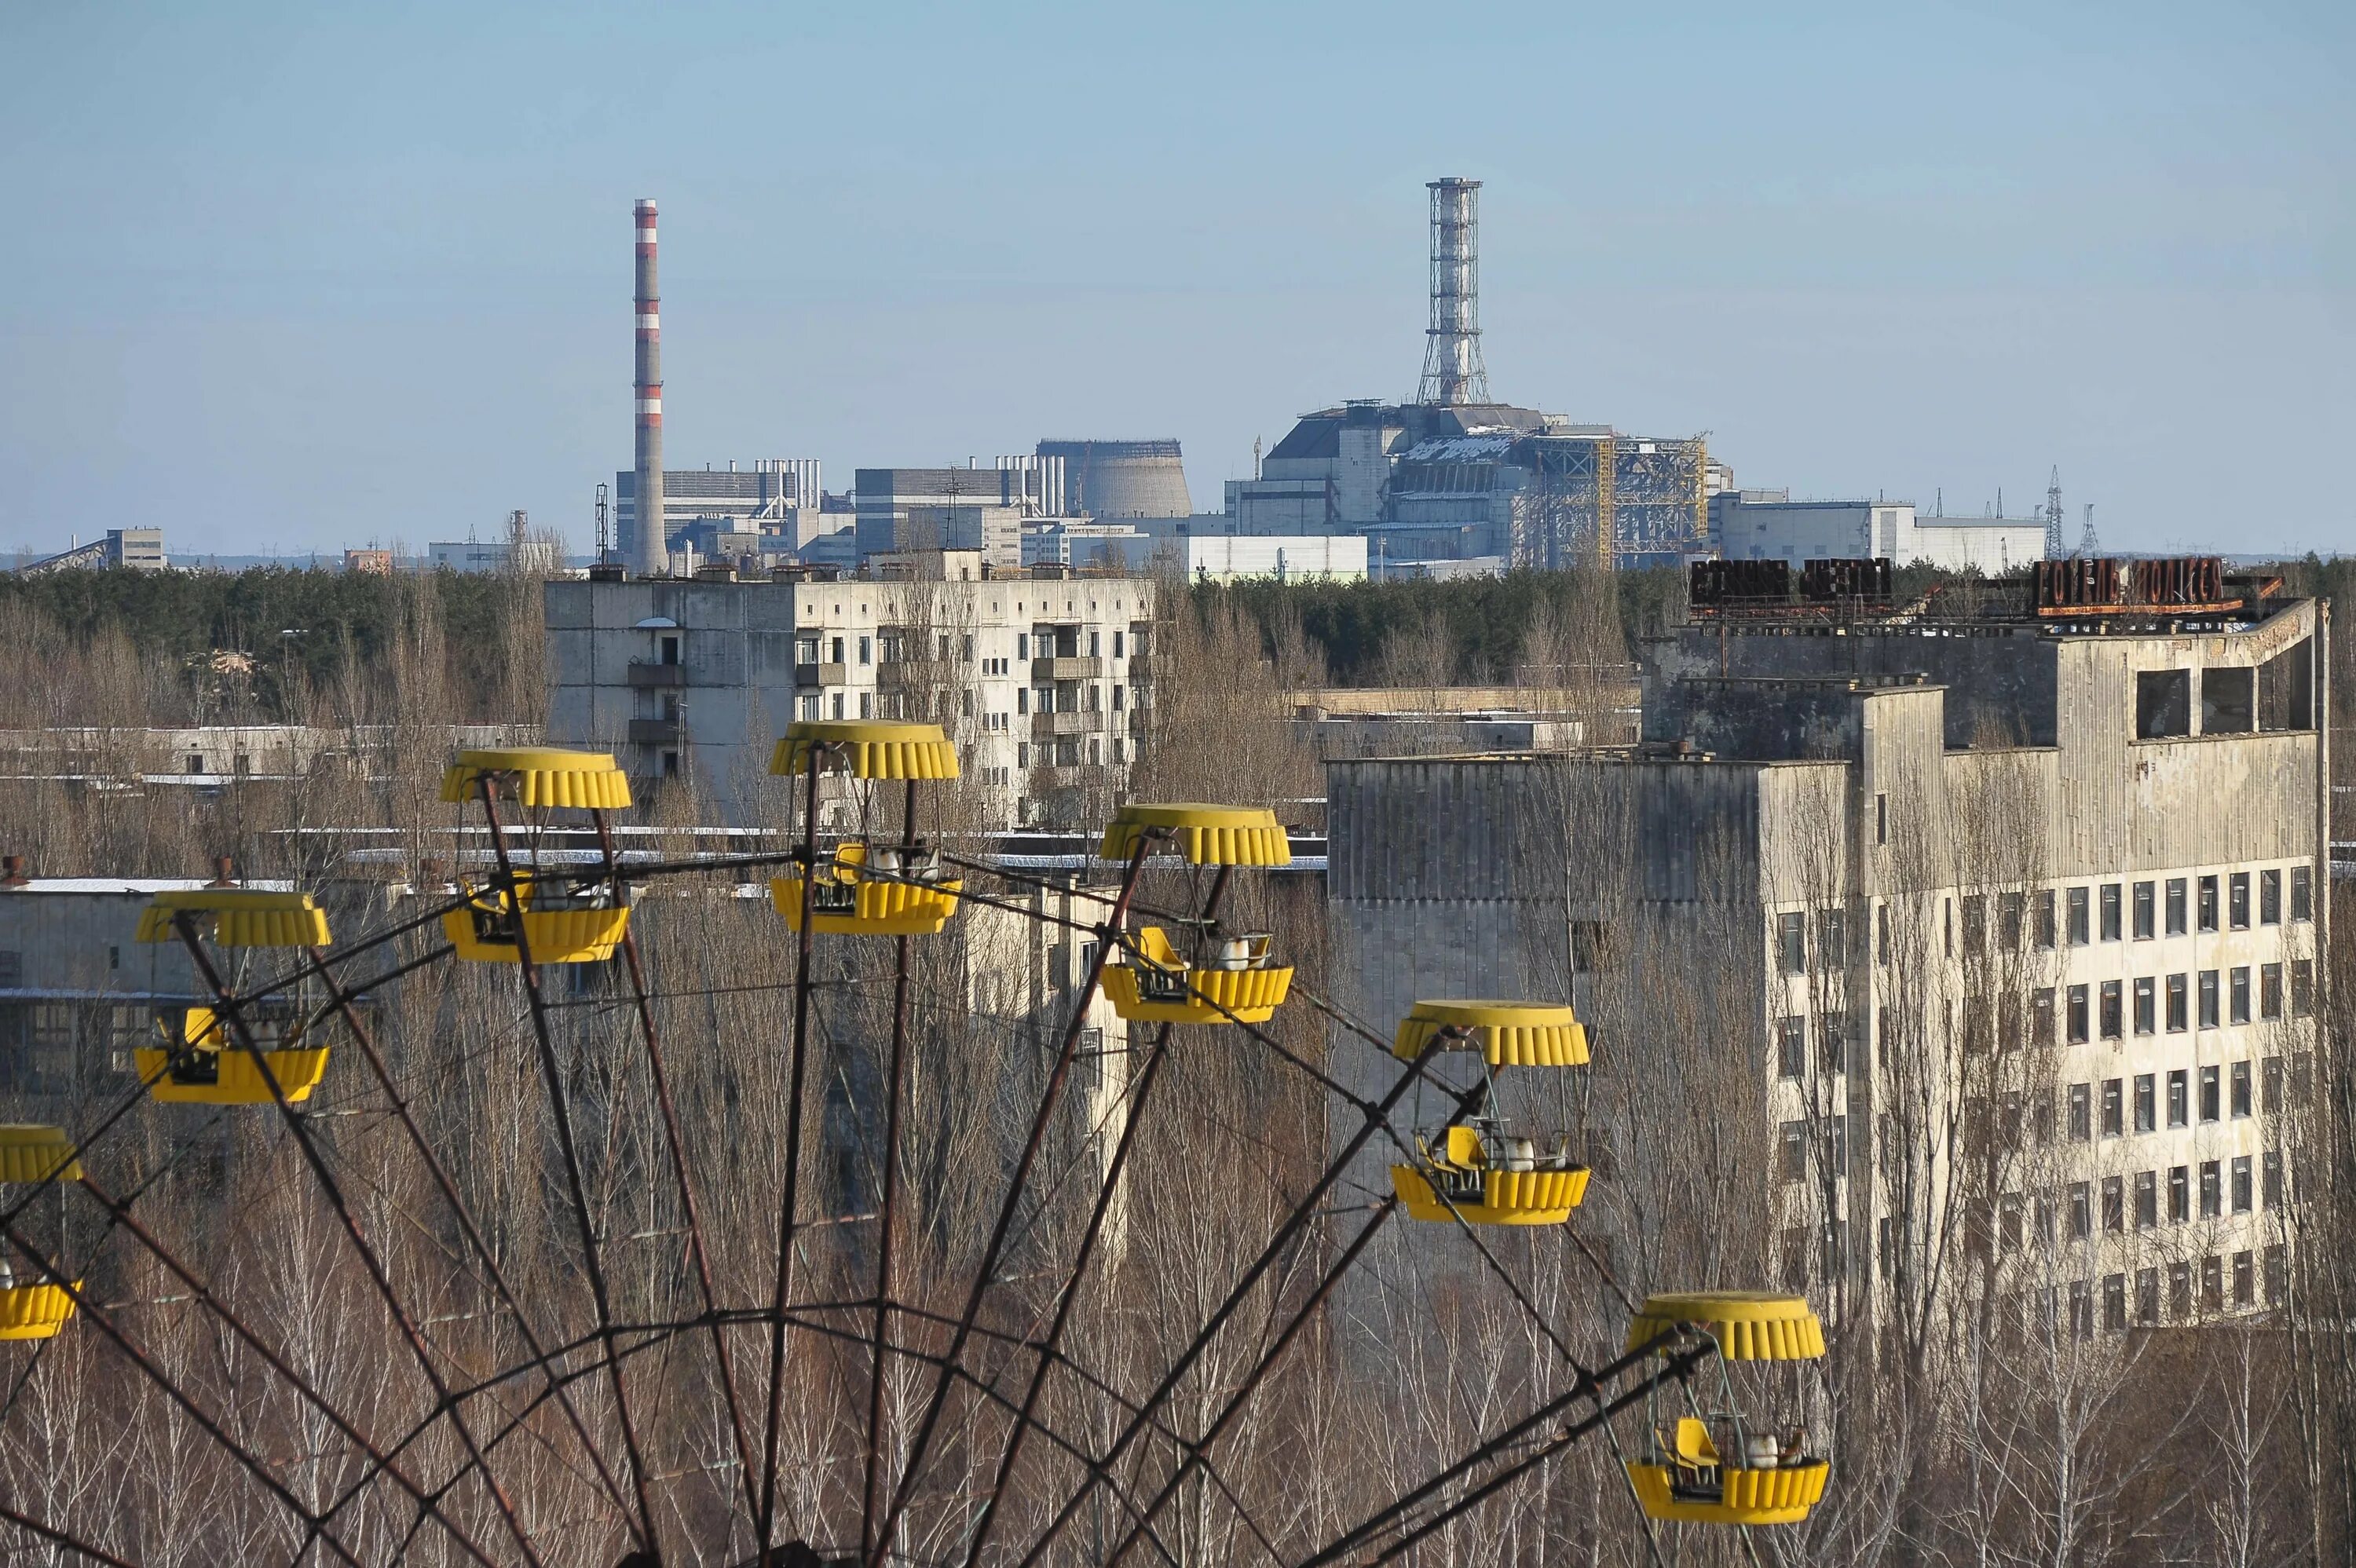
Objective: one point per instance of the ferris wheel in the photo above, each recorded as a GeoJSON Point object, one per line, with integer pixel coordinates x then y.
{"type": "Point", "coordinates": [545, 1413]}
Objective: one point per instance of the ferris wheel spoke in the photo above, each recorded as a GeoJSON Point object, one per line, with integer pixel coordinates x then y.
{"type": "Point", "coordinates": [232, 1013]}
{"type": "Point", "coordinates": [57, 1536]}
{"type": "Point", "coordinates": [120, 1211]}
{"type": "Point", "coordinates": [365, 1038]}
{"type": "Point", "coordinates": [1108, 935]}
{"type": "Point", "coordinates": [561, 1113]}
{"type": "Point", "coordinates": [254, 1464]}
{"type": "Point", "coordinates": [1371, 1118]}
{"type": "Point", "coordinates": [894, 1073]}
{"type": "Point", "coordinates": [1050, 1346]}
{"type": "Point", "coordinates": [676, 1146]}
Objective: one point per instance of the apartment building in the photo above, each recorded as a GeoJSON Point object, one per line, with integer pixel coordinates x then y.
{"type": "Point", "coordinates": [2007, 924]}
{"type": "Point", "coordinates": [1039, 680]}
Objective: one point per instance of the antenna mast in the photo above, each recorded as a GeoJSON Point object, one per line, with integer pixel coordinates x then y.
{"type": "Point", "coordinates": [2054, 549]}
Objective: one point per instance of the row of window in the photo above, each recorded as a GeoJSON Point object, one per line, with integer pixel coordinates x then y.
{"type": "Point", "coordinates": [2239, 1185]}
{"type": "Point", "coordinates": [2180, 1291]}
{"type": "Point", "coordinates": [2038, 918]}
{"type": "Point", "coordinates": [2218, 1088]}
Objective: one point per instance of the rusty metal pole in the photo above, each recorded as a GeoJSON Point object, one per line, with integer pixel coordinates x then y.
{"type": "Point", "coordinates": [895, 1073]}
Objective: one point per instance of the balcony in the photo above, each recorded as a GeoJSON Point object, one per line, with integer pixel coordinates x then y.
{"type": "Point", "coordinates": [1043, 724]}
{"type": "Point", "coordinates": [821, 675]}
{"type": "Point", "coordinates": [657, 675]}
{"type": "Point", "coordinates": [654, 731]}
{"type": "Point", "coordinates": [1068, 670]}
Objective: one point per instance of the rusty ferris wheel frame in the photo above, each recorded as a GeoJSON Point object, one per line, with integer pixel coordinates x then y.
{"type": "Point", "coordinates": [553, 1369]}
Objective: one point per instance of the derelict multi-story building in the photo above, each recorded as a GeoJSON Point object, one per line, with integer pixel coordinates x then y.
{"type": "Point", "coordinates": [1038, 679]}
{"type": "Point", "coordinates": [2012, 917]}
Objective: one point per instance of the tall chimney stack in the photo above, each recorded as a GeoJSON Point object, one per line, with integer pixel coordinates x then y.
{"type": "Point", "coordinates": [1452, 371]}
{"type": "Point", "coordinates": [650, 553]}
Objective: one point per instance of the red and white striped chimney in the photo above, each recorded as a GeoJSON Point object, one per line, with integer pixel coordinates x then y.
{"type": "Point", "coordinates": [649, 554]}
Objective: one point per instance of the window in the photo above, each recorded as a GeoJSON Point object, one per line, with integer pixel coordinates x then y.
{"type": "Point", "coordinates": [2241, 1184]}
{"type": "Point", "coordinates": [2113, 998]}
{"type": "Point", "coordinates": [2277, 1274]}
{"type": "Point", "coordinates": [2272, 1177]}
{"type": "Point", "coordinates": [2180, 1194]}
{"type": "Point", "coordinates": [1974, 923]}
{"type": "Point", "coordinates": [2082, 1211]}
{"type": "Point", "coordinates": [2240, 1082]}
{"type": "Point", "coordinates": [2270, 994]}
{"type": "Point", "coordinates": [1096, 643]}
{"type": "Point", "coordinates": [2209, 1110]}
{"type": "Point", "coordinates": [1832, 938]}
{"type": "Point", "coordinates": [2145, 911]}
{"type": "Point", "coordinates": [2302, 987]}
{"type": "Point", "coordinates": [1831, 1041]}
{"type": "Point", "coordinates": [2270, 1082]}
{"type": "Point", "coordinates": [836, 705]}
{"type": "Point", "coordinates": [2040, 1017]}
{"type": "Point", "coordinates": [1795, 1151]}
{"type": "Point", "coordinates": [2078, 1033]}
{"type": "Point", "coordinates": [2147, 1200]}
{"type": "Point", "coordinates": [2114, 1107]}
{"type": "Point", "coordinates": [2045, 919]}
{"type": "Point", "coordinates": [2180, 1014]}
{"type": "Point", "coordinates": [2081, 1112]}
{"type": "Point", "coordinates": [2241, 1278]}
{"type": "Point", "coordinates": [2237, 901]}
{"type": "Point", "coordinates": [2110, 912]}
{"type": "Point", "coordinates": [2115, 1303]}
{"type": "Point", "coordinates": [2176, 906]}
{"type": "Point", "coordinates": [2208, 998]}
{"type": "Point", "coordinates": [2180, 1290]}
{"type": "Point", "coordinates": [670, 650]}
{"type": "Point", "coordinates": [2179, 1097]}
{"type": "Point", "coordinates": [2302, 893]}
{"type": "Point", "coordinates": [2212, 1191]}
{"type": "Point", "coordinates": [2043, 1220]}
{"type": "Point", "coordinates": [810, 705]}
{"type": "Point", "coordinates": [1022, 644]}
{"type": "Point", "coordinates": [2082, 1310]}
{"type": "Point", "coordinates": [1882, 819]}
{"type": "Point", "coordinates": [2207, 903]}
{"type": "Point", "coordinates": [2008, 1223]}
{"type": "Point", "coordinates": [1792, 942]}
{"type": "Point", "coordinates": [1117, 645]}
{"type": "Point", "coordinates": [2269, 898]}
{"type": "Point", "coordinates": [2081, 928]}
{"type": "Point", "coordinates": [2240, 995]}
{"type": "Point", "coordinates": [2147, 1005]}
{"type": "Point", "coordinates": [2147, 1296]}
{"type": "Point", "coordinates": [1791, 1046]}
{"type": "Point", "coordinates": [2147, 1103]}
{"type": "Point", "coordinates": [2012, 914]}
{"type": "Point", "coordinates": [1881, 933]}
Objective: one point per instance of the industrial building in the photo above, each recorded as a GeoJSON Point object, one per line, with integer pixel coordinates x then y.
{"type": "Point", "coordinates": [1458, 476]}
{"type": "Point", "coordinates": [969, 508]}
{"type": "Point", "coordinates": [775, 503]}
{"type": "Point", "coordinates": [2004, 928]}
{"type": "Point", "coordinates": [136, 549]}
{"type": "Point", "coordinates": [1197, 558]}
{"type": "Point", "coordinates": [1767, 525]}
{"type": "Point", "coordinates": [1111, 480]}
{"type": "Point", "coordinates": [1037, 679]}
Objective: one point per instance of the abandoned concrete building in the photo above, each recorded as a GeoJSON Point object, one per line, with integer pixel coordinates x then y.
{"type": "Point", "coordinates": [2006, 923]}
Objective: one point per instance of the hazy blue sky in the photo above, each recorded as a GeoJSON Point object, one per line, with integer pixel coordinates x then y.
{"type": "Point", "coordinates": [305, 276]}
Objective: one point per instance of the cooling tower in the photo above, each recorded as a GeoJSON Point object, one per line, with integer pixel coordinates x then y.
{"type": "Point", "coordinates": [1121, 479]}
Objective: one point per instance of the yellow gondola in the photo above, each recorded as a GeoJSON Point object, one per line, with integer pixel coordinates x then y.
{"type": "Point", "coordinates": [1495, 1180]}
{"type": "Point", "coordinates": [1202, 834]}
{"type": "Point", "coordinates": [866, 749]}
{"type": "Point", "coordinates": [562, 924]}
{"type": "Point", "coordinates": [29, 1154]}
{"type": "Point", "coordinates": [236, 917]}
{"type": "Point", "coordinates": [202, 1063]}
{"type": "Point", "coordinates": [1241, 983]}
{"type": "Point", "coordinates": [1731, 1466]}
{"type": "Point", "coordinates": [906, 897]}
{"type": "Point", "coordinates": [541, 776]}
{"type": "Point", "coordinates": [1485, 1171]}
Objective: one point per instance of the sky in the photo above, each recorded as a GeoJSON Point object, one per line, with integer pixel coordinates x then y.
{"type": "Point", "coordinates": [293, 278]}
